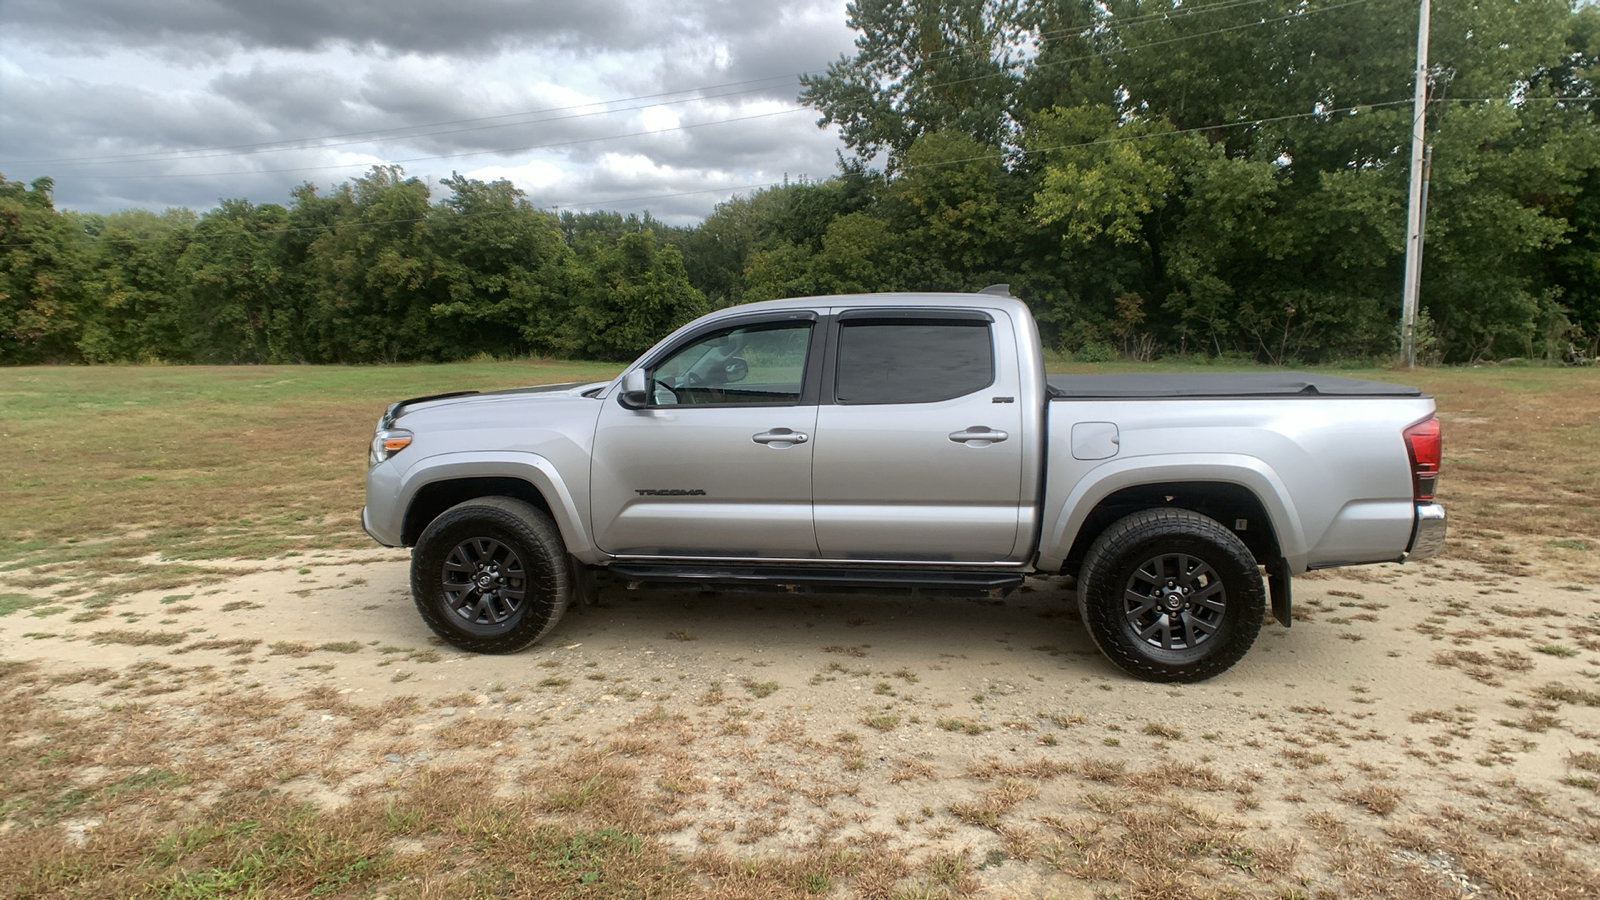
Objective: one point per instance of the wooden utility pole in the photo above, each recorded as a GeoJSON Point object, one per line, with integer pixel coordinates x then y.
{"type": "Point", "coordinates": [1408, 307]}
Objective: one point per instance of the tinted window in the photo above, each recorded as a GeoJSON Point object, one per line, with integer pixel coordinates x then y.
{"type": "Point", "coordinates": [907, 361]}
{"type": "Point", "coordinates": [747, 365]}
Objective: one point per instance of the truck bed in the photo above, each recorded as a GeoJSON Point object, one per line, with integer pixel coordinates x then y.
{"type": "Point", "coordinates": [1162, 385]}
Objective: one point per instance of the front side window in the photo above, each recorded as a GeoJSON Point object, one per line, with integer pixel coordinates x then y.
{"type": "Point", "coordinates": [909, 361]}
{"type": "Point", "coordinates": [749, 365]}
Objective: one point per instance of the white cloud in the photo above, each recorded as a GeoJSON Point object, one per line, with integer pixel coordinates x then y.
{"type": "Point", "coordinates": [659, 118]}
{"type": "Point", "coordinates": [530, 177]}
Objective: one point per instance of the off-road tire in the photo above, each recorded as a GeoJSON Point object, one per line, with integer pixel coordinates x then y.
{"type": "Point", "coordinates": [1186, 549]}
{"type": "Point", "coordinates": [518, 548]}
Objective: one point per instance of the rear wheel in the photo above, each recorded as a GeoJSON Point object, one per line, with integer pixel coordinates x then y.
{"type": "Point", "coordinates": [1171, 595]}
{"type": "Point", "coordinates": [490, 575]}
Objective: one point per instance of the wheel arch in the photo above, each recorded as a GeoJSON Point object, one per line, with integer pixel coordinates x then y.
{"type": "Point", "coordinates": [437, 485]}
{"type": "Point", "coordinates": [1226, 491]}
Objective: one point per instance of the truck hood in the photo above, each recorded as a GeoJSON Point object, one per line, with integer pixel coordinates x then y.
{"type": "Point", "coordinates": [467, 403]}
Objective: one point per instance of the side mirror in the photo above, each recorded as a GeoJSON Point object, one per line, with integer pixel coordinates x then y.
{"type": "Point", "coordinates": [735, 369]}
{"type": "Point", "coordinates": [633, 394]}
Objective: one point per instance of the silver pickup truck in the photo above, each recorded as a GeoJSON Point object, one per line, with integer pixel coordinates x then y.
{"type": "Point", "coordinates": [904, 442]}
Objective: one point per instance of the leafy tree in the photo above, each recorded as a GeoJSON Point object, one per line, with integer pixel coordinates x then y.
{"type": "Point", "coordinates": [502, 271]}
{"type": "Point", "coordinates": [133, 306]}
{"type": "Point", "coordinates": [40, 264]}
{"type": "Point", "coordinates": [234, 300]}
{"type": "Point", "coordinates": [373, 269]}
{"type": "Point", "coordinates": [629, 295]}
{"type": "Point", "coordinates": [922, 66]}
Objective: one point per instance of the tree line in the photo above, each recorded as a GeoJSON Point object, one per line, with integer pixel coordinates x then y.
{"type": "Point", "coordinates": [1225, 178]}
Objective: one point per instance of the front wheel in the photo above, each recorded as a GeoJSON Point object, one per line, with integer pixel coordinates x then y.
{"type": "Point", "coordinates": [1170, 595]}
{"type": "Point", "coordinates": [490, 575]}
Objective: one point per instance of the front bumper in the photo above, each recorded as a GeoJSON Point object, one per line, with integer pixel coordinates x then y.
{"type": "Point", "coordinates": [1427, 535]}
{"type": "Point", "coordinates": [367, 527]}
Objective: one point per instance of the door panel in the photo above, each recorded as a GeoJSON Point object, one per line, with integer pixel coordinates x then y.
{"type": "Point", "coordinates": [757, 496]}
{"type": "Point", "coordinates": [928, 480]}
{"type": "Point", "coordinates": [720, 465]}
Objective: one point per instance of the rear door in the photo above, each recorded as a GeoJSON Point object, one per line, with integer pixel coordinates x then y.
{"type": "Point", "coordinates": [919, 450]}
{"type": "Point", "coordinates": [719, 464]}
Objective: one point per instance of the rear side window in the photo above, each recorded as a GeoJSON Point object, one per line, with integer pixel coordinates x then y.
{"type": "Point", "coordinates": [911, 361]}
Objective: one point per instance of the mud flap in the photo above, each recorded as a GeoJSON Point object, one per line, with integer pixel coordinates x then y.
{"type": "Point", "coordinates": [1278, 588]}
{"type": "Point", "coordinates": [585, 588]}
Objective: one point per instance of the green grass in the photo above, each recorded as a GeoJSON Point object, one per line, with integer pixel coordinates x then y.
{"type": "Point", "coordinates": [206, 462]}
{"type": "Point", "coordinates": [10, 603]}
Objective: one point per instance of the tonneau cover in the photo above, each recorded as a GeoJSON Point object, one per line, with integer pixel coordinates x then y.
{"type": "Point", "coordinates": [1221, 384]}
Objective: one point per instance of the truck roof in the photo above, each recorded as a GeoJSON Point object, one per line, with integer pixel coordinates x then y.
{"type": "Point", "coordinates": [896, 299]}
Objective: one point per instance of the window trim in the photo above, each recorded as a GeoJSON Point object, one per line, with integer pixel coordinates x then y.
{"type": "Point", "coordinates": [810, 376]}
{"type": "Point", "coordinates": [902, 313]}
{"type": "Point", "coordinates": [908, 315]}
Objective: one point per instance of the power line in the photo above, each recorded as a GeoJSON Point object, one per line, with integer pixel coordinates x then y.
{"type": "Point", "coordinates": [380, 131]}
{"type": "Point", "coordinates": [186, 155]}
{"type": "Point", "coordinates": [307, 143]}
{"type": "Point", "coordinates": [1324, 113]}
{"type": "Point", "coordinates": [1176, 40]}
{"type": "Point", "coordinates": [612, 137]}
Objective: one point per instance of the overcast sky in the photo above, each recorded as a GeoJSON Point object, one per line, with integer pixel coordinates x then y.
{"type": "Point", "coordinates": [158, 103]}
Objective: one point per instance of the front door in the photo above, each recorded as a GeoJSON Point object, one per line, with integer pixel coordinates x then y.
{"type": "Point", "coordinates": [919, 455]}
{"type": "Point", "coordinates": [719, 464]}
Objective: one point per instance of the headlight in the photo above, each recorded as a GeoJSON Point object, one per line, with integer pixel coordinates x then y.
{"type": "Point", "coordinates": [387, 442]}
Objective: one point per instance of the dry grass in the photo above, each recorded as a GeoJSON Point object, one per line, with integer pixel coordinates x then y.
{"type": "Point", "coordinates": [138, 638]}
{"type": "Point", "coordinates": [228, 788]}
{"type": "Point", "coordinates": [987, 808]}
{"type": "Point", "coordinates": [1519, 465]}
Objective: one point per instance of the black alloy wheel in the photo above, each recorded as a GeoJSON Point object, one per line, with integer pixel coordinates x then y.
{"type": "Point", "coordinates": [1171, 595]}
{"type": "Point", "coordinates": [491, 575]}
{"type": "Point", "coordinates": [1175, 601]}
{"type": "Point", "coordinates": [484, 582]}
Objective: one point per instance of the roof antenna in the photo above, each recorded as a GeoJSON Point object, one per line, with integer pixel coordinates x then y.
{"type": "Point", "coordinates": [998, 290]}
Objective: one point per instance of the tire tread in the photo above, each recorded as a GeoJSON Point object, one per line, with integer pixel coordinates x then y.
{"type": "Point", "coordinates": [534, 528]}
{"type": "Point", "coordinates": [1152, 524]}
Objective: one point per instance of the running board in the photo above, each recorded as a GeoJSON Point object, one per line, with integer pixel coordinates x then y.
{"type": "Point", "coordinates": [814, 579]}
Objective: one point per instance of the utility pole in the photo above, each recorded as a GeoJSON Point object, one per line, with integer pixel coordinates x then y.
{"type": "Point", "coordinates": [1408, 307]}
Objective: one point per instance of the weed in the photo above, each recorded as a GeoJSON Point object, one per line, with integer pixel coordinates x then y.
{"type": "Point", "coordinates": [1559, 692]}
{"type": "Point", "coordinates": [138, 638]}
{"type": "Point", "coordinates": [1557, 650]}
{"type": "Point", "coordinates": [965, 726]}
{"type": "Point", "coordinates": [1378, 798]}
{"type": "Point", "coordinates": [10, 603]}
{"type": "Point", "coordinates": [1166, 732]}
{"type": "Point", "coordinates": [760, 689]}
{"type": "Point", "coordinates": [858, 650]}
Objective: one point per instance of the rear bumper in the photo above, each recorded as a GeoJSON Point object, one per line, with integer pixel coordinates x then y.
{"type": "Point", "coordinates": [1427, 535]}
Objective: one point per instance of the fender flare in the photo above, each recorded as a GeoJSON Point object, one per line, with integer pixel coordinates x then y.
{"type": "Point", "coordinates": [533, 468]}
{"type": "Point", "coordinates": [1247, 472]}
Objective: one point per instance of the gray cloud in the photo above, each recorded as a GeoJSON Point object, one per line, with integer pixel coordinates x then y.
{"type": "Point", "coordinates": [399, 26]}
{"type": "Point", "coordinates": [460, 26]}
{"type": "Point", "coordinates": [443, 88]}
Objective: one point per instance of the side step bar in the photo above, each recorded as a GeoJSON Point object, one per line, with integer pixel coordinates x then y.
{"type": "Point", "coordinates": [815, 579]}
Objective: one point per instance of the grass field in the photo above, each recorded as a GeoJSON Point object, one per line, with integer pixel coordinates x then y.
{"type": "Point", "coordinates": [167, 774]}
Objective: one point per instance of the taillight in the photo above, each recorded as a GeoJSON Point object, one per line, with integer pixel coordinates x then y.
{"type": "Point", "coordinates": [1423, 444]}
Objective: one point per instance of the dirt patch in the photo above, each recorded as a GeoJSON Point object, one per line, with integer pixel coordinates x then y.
{"type": "Point", "coordinates": [1425, 730]}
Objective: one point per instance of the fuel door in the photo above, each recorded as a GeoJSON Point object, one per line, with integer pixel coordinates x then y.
{"type": "Point", "coordinates": [1095, 440]}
